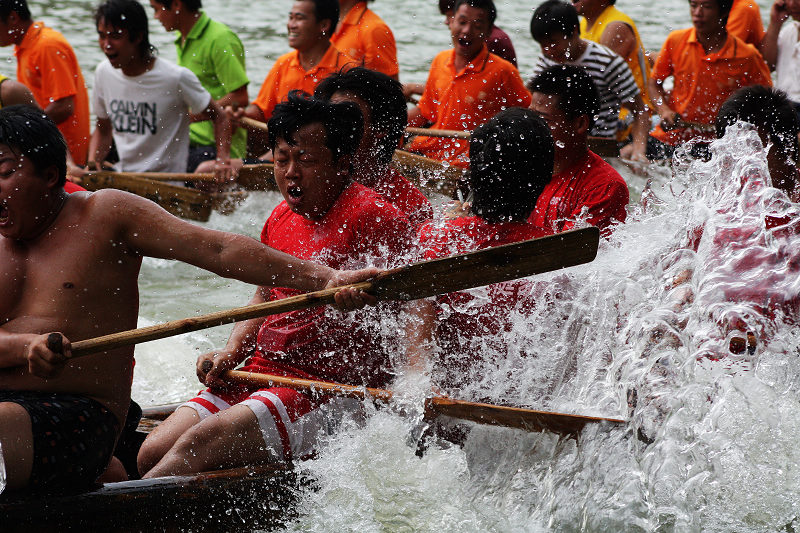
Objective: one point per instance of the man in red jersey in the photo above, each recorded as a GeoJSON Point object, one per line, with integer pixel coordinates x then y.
{"type": "Point", "coordinates": [381, 101]}
{"type": "Point", "coordinates": [466, 86]}
{"type": "Point", "coordinates": [326, 216]}
{"type": "Point", "coordinates": [512, 162]}
{"type": "Point", "coordinates": [584, 187]}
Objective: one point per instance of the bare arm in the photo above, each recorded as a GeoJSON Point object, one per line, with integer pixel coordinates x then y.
{"type": "Point", "coordinates": [32, 351]}
{"type": "Point", "coordinates": [619, 37]}
{"type": "Point", "coordinates": [100, 143]}
{"type": "Point", "coordinates": [769, 44]}
{"type": "Point", "coordinates": [415, 117]}
{"type": "Point", "coordinates": [419, 331]}
{"type": "Point", "coordinates": [641, 128]}
{"type": "Point", "coordinates": [659, 97]}
{"type": "Point", "coordinates": [235, 99]}
{"type": "Point", "coordinates": [222, 137]}
{"type": "Point", "coordinates": [60, 110]}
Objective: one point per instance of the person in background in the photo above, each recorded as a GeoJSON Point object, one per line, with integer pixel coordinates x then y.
{"type": "Point", "coordinates": [216, 56]}
{"type": "Point", "coordinates": [745, 22]}
{"type": "Point", "coordinates": [362, 35]}
{"type": "Point", "coordinates": [707, 65]}
{"type": "Point", "coordinates": [380, 99]}
{"type": "Point", "coordinates": [555, 26]}
{"type": "Point", "coordinates": [467, 85]}
{"type": "Point", "coordinates": [781, 46]}
{"type": "Point", "coordinates": [325, 216]}
{"type": "Point", "coordinates": [584, 188]}
{"type": "Point", "coordinates": [144, 103]}
{"type": "Point", "coordinates": [47, 65]}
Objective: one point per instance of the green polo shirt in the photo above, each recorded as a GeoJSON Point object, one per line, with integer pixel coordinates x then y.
{"type": "Point", "coordinates": [216, 56]}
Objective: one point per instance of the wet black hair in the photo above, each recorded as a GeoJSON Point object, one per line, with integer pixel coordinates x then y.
{"type": "Point", "coordinates": [769, 110]}
{"type": "Point", "coordinates": [577, 92]}
{"type": "Point", "coordinates": [19, 6]}
{"type": "Point", "coordinates": [326, 10]}
{"type": "Point", "coordinates": [343, 122]}
{"type": "Point", "coordinates": [127, 15]}
{"type": "Point", "coordinates": [511, 162]}
{"type": "Point", "coordinates": [446, 5]}
{"type": "Point", "coordinates": [192, 5]}
{"type": "Point", "coordinates": [384, 98]}
{"type": "Point", "coordinates": [28, 130]}
{"type": "Point", "coordinates": [554, 17]}
{"type": "Point", "coordinates": [486, 5]}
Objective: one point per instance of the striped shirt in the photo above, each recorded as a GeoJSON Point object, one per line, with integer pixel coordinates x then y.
{"type": "Point", "coordinates": [613, 79]}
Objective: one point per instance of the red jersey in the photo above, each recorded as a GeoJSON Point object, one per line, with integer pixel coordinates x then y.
{"type": "Point", "coordinates": [319, 342]}
{"type": "Point", "coordinates": [70, 187]}
{"type": "Point", "coordinates": [406, 197]}
{"type": "Point", "coordinates": [592, 185]}
{"type": "Point", "coordinates": [482, 313]}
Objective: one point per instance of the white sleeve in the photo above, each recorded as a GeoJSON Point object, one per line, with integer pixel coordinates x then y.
{"type": "Point", "coordinates": [193, 93]}
{"type": "Point", "coordinates": [98, 100]}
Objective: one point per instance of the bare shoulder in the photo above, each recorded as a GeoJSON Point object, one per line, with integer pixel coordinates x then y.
{"type": "Point", "coordinates": [118, 209]}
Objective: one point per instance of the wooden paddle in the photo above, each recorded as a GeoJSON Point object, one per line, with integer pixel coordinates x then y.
{"type": "Point", "coordinates": [418, 280]}
{"type": "Point", "coordinates": [156, 176]}
{"type": "Point", "coordinates": [481, 413]}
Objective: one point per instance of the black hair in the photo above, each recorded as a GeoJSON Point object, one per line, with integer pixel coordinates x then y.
{"type": "Point", "coordinates": [554, 17]}
{"type": "Point", "coordinates": [446, 5]}
{"type": "Point", "coordinates": [192, 5]}
{"type": "Point", "coordinates": [343, 122]}
{"type": "Point", "coordinates": [767, 109]}
{"type": "Point", "coordinates": [384, 98]}
{"type": "Point", "coordinates": [577, 92]}
{"type": "Point", "coordinates": [127, 15]}
{"type": "Point", "coordinates": [327, 10]}
{"type": "Point", "coordinates": [36, 136]}
{"type": "Point", "coordinates": [511, 162]}
{"type": "Point", "coordinates": [486, 5]}
{"type": "Point", "coordinates": [19, 6]}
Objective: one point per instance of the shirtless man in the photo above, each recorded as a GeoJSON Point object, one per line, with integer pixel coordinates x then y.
{"type": "Point", "coordinates": [90, 291]}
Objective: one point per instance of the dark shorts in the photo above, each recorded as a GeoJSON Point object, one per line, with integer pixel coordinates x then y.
{"type": "Point", "coordinates": [73, 438]}
{"type": "Point", "coordinates": [198, 154]}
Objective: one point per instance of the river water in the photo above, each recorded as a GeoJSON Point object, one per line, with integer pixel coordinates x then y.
{"type": "Point", "coordinates": [642, 333]}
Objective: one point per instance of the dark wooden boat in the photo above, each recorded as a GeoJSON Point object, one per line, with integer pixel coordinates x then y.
{"type": "Point", "coordinates": [238, 499]}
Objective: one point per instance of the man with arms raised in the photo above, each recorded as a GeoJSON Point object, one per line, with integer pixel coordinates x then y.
{"type": "Point", "coordinates": [362, 35]}
{"type": "Point", "coordinates": [707, 65]}
{"type": "Point", "coordinates": [583, 187]}
{"type": "Point", "coordinates": [381, 101]}
{"type": "Point", "coordinates": [327, 217]}
{"type": "Point", "coordinates": [47, 65]}
{"type": "Point", "coordinates": [466, 85]}
{"type": "Point", "coordinates": [216, 56]}
{"type": "Point", "coordinates": [143, 102]}
{"type": "Point", "coordinates": [314, 58]}
{"type": "Point", "coordinates": [59, 418]}
{"type": "Point", "coordinates": [555, 26]}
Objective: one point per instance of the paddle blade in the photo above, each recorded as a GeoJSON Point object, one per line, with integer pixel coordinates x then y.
{"type": "Point", "coordinates": [491, 265]}
{"type": "Point", "coordinates": [511, 417]}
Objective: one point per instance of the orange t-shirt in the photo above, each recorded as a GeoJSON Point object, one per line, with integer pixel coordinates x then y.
{"type": "Point", "coordinates": [704, 81]}
{"type": "Point", "coordinates": [47, 65]}
{"type": "Point", "coordinates": [745, 22]}
{"type": "Point", "coordinates": [363, 36]}
{"type": "Point", "coordinates": [464, 100]}
{"type": "Point", "coordinates": [287, 74]}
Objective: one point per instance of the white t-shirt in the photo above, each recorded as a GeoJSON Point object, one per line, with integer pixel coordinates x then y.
{"type": "Point", "coordinates": [787, 67]}
{"type": "Point", "coordinates": [149, 114]}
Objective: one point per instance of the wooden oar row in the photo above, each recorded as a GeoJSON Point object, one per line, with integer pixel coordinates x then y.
{"type": "Point", "coordinates": [419, 280]}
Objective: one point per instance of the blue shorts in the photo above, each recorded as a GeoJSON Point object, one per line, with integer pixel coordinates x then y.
{"type": "Point", "coordinates": [73, 438]}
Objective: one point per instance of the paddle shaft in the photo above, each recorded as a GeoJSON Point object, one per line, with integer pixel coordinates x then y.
{"type": "Point", "coordinates": [258, 125]}
{"type": "Point", "coordinates": [481, 413]}
{"type": "Point", "coordinates": [159, 176]}
{"type": "Point", "coordinates": [419, 280]}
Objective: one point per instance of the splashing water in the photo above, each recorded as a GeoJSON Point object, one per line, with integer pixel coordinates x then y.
{"type": "Point", "coordinates": [2, 471]}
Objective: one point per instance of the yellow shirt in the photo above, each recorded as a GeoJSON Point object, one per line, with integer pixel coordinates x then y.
{"type": "Point", "coordinates": [2, 79]}
{"type": "Point", "coordinates": [637, 62]}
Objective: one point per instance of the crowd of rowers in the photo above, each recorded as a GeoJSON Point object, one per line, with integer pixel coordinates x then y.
{"type": "Point", "coordinates": [331, 132]}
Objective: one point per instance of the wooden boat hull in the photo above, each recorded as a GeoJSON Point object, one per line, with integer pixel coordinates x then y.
{"type": "Point", "coordinates": [180, 201]}
{"type": "Point", "coordinates": [240, 499]}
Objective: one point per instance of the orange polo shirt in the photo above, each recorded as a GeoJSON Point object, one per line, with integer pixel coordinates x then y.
{"type": "Point", "coordinates": [287, 74]}
{"type": "Point", "coordinates": [47, 65]}
{"type": "Point", "coordinates": [365, 37]}
{"type": "Point", "coordinates": [745, 22]}
{"type": "Point", "coordinates": [704, 81]}
{"type": "Point", "coordinates": [464, 100]}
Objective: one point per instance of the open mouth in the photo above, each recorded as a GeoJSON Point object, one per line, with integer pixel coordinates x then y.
{"type": "Point", "coordinates": [3, 215]}
{"type": "Point", "coordinates": [294, 191]}
{"type": "Point", "coordinates": [463, 41]}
